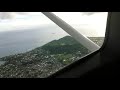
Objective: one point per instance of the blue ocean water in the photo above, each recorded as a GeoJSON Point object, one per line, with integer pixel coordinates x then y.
{"type": "Point", "coordinates": [19, 41]}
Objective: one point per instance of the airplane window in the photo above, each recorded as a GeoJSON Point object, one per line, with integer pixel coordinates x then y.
{"type": "Point", "coordinates": [33, 46]}
{"type": "Point", "coordinates": [90, 24]}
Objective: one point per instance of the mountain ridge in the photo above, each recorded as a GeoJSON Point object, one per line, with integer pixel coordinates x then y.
{"type": "Point", "coordinates": [43, 61]}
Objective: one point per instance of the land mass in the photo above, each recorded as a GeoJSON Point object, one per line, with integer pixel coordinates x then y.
{"type": "Point", "coordinates": [45, 60]}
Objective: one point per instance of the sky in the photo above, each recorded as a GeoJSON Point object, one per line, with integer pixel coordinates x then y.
{"type": "Point", "coordinates": [88, 23]}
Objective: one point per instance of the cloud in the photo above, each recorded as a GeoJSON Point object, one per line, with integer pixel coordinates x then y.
{"type": "Point", "coordinates": [6, 15]}
{"type": "Point", "coordinates": [22, 13]}
{"type": "Point", "coordinates": [11, 15]}
{"type": "Point", "coordinates": [89, 13]}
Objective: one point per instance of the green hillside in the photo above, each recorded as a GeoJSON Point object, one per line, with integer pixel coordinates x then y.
{"type": "Point", "coordinates": [43, 61]}
{"type": "Point", "coordinates": [65, 45]}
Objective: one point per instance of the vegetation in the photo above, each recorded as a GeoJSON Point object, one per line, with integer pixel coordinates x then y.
{"type": "Point", "coordinates": [43, 61]}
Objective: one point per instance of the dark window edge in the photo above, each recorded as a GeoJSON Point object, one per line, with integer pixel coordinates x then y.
{"type": "Point", "coordinates": [85, 58]}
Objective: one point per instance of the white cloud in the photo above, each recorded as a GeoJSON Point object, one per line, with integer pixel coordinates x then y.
{"type": "Point", "coordinates": [91, 22]}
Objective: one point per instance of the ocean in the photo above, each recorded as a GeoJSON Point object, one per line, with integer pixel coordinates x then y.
{"type": "Point", "coordinates": [20, 41]}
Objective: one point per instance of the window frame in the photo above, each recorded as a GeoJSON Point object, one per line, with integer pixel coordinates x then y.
{"type": "Point", "coordinates": [85, 58]}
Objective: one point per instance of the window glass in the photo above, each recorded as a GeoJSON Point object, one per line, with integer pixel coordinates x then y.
{"type": "Point", "coordinates": [90, 24]}
{"type": "Point", "coordinates": [32, 46]}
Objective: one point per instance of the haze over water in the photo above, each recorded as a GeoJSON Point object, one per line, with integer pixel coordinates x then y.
{"type": "Point", "coordinates": [13, 42]}
{"type": "Point", "coordinates": [16, 38]}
